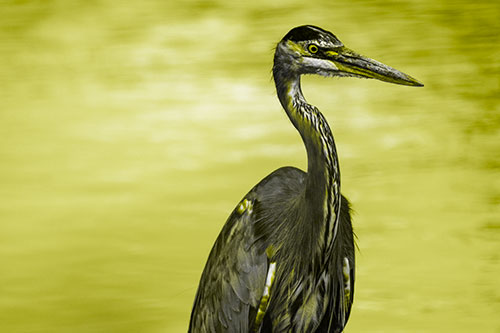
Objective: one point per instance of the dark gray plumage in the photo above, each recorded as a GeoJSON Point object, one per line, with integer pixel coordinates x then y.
{"type": "Point", "coordinates": [284, 260]}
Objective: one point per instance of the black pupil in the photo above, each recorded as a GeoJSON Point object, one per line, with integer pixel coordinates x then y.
{"type": "Point", "coordinates": [313, 48]}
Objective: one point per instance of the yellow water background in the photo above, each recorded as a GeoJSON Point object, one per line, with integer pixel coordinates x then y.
{"type": "Point", "coordinates": [130, 129]}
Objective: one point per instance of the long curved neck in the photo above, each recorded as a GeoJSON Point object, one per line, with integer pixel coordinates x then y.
{"type": "Point", "coordinates": [322, 191]}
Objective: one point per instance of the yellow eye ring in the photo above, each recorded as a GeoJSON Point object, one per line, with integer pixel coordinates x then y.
{"type": "Point", "coordinates": [312, 48]}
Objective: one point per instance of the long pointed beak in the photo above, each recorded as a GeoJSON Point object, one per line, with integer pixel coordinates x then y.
{"type": "Point", "coordinates": [351, 63]}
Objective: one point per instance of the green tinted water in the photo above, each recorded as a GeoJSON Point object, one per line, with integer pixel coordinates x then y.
{"type": "Point", "coordinates": [129, 132]}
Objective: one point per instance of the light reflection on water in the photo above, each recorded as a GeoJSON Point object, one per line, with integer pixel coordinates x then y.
{"type": "Point", "coordinates": [129, 133]}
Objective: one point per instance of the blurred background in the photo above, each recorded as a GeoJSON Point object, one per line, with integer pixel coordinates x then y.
{"type": "Point", "coordinates": [130, 130]}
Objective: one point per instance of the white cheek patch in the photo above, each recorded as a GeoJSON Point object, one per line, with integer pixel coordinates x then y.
{"type": "Point", "coordinates": [319, 64]}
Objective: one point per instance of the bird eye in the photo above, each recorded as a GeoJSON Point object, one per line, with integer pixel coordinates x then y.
{"type": "Point", "coordinates": [313, 48]}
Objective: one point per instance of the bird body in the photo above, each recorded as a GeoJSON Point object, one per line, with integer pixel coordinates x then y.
{"type": "Point", "coordinates": [284, 261]}
{"type": "Point", "coordinates": [253, 240]}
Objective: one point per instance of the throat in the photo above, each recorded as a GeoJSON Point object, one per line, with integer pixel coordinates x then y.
{"type": "Point", "coordinates": [322, 188]}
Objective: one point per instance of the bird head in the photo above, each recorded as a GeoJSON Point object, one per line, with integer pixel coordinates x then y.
{"type": "Point", "coordinates": [311, 50]}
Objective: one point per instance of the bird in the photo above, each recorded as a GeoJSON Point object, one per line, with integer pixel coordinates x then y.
{"type": "Point", "coordinates": [284, 260]}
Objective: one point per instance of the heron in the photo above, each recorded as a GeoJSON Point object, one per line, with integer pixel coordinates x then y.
{"type": "Point", "coordinates": [284, 260]}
